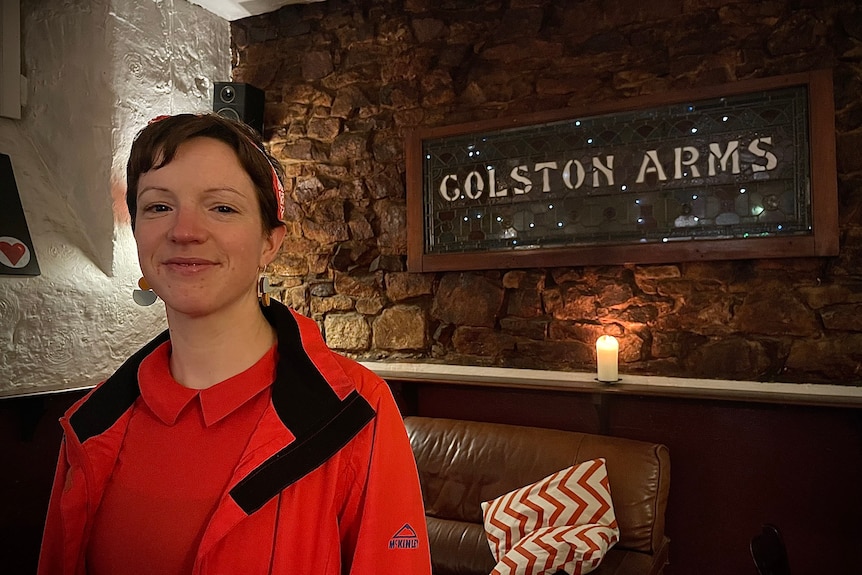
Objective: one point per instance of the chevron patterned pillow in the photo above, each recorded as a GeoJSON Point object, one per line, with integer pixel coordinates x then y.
{"type": "Point", "coordinates": [574, 550]}
{"type": "Point", "coordinates": [565, 521]}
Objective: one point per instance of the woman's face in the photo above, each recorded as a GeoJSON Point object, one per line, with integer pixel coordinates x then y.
{"type": "Point", "coordinates": [200, 232]}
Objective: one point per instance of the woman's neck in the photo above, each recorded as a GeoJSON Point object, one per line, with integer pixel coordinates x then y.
{"type": "Point", "coordinates": [208, 350]}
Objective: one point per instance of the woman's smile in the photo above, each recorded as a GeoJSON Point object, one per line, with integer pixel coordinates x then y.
{"type": "Point", "coordinates": [189, 265]}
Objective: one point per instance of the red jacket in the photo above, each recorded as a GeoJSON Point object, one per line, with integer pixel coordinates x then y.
{"type": "Point", "coordinates": [327, 485]}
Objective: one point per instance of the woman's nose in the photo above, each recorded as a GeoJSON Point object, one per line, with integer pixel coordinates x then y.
{"type": "Point", "coordinates": [188, 225]}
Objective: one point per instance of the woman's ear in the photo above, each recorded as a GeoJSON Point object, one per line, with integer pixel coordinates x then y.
{"type": "Point", "coordinates": [272, 244]}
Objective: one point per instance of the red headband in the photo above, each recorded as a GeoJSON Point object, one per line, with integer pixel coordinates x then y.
{"type": "Point", "coordinates": [279, 191]}
{"type": "Point", "coordinates": [277, 186]}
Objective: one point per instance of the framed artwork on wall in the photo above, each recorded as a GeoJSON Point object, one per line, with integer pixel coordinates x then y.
{"type": "Point", "coordinates": [742, 170]}
{"type": "Point", "coordinates": [17, 256]}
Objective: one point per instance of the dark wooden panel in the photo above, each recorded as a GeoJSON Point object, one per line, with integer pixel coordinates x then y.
{"type": "Point", "coordinates": [735, 466]}
{"type": "Point", "coordinates": [30, 438]}
{"type": "Point", "coordinates": [574, 412]}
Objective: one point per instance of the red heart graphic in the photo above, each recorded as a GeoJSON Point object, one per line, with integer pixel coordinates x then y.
{"type": "Point", "coordinates": [13, 251]}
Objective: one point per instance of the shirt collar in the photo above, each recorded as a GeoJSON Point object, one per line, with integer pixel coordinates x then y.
{"type": "Point", "coordinates": [167, 398]}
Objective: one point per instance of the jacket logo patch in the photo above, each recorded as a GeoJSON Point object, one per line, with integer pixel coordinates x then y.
{"type": "Point", "coordinates": [405, 538]}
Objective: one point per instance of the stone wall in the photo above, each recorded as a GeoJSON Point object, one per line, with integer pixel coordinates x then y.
{"type": "Point", "coordinates": [346, 81]}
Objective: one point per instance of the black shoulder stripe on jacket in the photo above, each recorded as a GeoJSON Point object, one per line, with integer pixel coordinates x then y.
{"type": "Point", "coordinates": [303, 455]}
{"type": "Point", "coordinates": [108, 402]}
{"type": "Point", "coordinates": [309, 407]}
{"type": "Point", "coordinates": [302, 397]}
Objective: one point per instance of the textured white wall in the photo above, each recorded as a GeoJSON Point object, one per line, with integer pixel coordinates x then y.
{"type": "Point", "coordinates": [97, 71]}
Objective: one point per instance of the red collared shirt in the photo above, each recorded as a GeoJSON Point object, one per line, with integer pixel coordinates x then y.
{"type": "Point", "coordinates": [177, 457]}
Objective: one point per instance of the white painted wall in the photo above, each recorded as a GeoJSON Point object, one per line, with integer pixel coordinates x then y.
{"type": "Point", "coordinates": [97, 71]}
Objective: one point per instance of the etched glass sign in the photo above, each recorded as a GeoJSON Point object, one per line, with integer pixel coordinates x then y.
{"type": "Point", "coordinates": [719, 168]}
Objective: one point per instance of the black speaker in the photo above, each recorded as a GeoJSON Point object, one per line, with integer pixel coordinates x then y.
{"type": "Point", "coordinates": [241, 102]}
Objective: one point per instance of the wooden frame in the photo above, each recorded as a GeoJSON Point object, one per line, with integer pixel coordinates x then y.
{"type": "Point", "coordinates": [821, 241]}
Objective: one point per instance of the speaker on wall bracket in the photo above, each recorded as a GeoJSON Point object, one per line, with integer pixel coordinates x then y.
{"type": "Point", "coordinates": [238, 101]}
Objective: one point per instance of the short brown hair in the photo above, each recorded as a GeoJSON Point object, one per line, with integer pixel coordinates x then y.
{"type": "Point", "coordinates": [156, 145]}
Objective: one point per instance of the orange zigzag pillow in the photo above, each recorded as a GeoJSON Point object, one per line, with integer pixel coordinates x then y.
{"type": "Point", "coordinates": [565, 521]}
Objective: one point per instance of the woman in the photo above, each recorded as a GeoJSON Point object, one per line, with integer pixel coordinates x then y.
{"type": "Point", "coordinates": [236, 441]}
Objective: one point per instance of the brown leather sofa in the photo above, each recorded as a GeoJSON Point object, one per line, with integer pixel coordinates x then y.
{"type": "Point", "coordinates": [462, 463]}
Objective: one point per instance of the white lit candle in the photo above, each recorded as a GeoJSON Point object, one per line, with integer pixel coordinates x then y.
{"type": "Point", "coordinates": [607, 352]}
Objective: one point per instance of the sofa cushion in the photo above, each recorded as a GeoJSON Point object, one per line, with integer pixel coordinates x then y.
{"type": "Point", "coordinates": [575, 496]}
{"type": "Point", "coordinates": [575, 550]}
{"type": "Point", "coordinates": [458, 547]}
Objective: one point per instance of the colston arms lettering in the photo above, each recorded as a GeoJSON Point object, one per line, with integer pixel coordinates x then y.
{"type": "Point", "coordinates": [679, 163]}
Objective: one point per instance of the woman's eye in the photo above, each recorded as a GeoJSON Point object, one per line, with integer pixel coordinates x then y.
{"type": "Point", "coordinates": [225, 209]}
{"type": "Point", "coordinates": [156, 208]}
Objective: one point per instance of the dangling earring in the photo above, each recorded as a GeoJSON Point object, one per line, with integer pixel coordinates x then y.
{"type": "Point", "coordinates": [263, 289]}
{"type": "Point", "coordinates": [144, 296]}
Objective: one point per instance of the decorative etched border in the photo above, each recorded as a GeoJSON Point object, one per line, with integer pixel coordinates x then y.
{"type": "Point", "coordinates": [475, 192]}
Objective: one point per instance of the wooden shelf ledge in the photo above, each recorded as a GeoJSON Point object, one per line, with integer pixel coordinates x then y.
{"type": "Point", "coordinates": [578, 382]}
